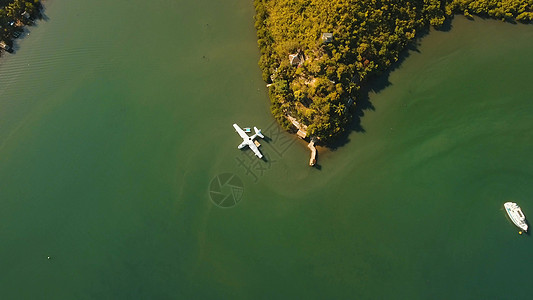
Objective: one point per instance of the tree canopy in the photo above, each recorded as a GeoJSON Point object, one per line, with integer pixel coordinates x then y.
{"type": "Point", "coordinates": [318, 84]}
{"type": "Point", "coordinates": [14, 14]}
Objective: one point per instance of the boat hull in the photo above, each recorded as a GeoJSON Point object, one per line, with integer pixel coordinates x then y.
{"type": "Point", "coordinates": [516, 215]}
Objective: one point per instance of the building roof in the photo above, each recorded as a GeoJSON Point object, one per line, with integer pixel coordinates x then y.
{"type": "Point", "coordinates": [327, 37]}
{"type": "Point", "coordinates": [3, 45]}
{"type": "Point", "coordinates": [294, 59]}
{"type": "Point", "coordinates": [302, 134]}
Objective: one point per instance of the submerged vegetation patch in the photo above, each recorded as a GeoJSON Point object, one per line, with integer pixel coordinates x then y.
{"type": "Point", "coordinates": [316, 55]}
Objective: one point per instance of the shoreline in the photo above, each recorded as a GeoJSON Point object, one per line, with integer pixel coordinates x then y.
{"type": "Point", "coordinates": [317, 74]}
{"type": "Point", "coordinates": [17, 15]}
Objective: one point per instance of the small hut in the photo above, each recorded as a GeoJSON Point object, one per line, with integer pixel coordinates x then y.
{"type": "Point", "coordinates": [302, 134]}
{"type": "Point", "coordinates": [327, 37]}
{"type": "Point", "coordinates": [349, 104]}
{"type": "Point", "coordinates": [294, 59]}
{"type": "Point", "coordinates": [4, 46]}
{"type": "Point", "coordinates": [297, 59]}
{"type": "Point", "coordinates": [25, 14]}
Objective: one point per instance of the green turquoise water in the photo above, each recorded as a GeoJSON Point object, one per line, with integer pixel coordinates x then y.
{"type": "Point", "coordinates": [115, 117]}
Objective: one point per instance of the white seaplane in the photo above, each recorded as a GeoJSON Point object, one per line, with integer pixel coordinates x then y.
{"type": "Point", "coordinates": [249, 140]}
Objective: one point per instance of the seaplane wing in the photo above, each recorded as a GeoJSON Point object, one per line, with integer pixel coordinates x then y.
{"type": "Point", "coordinates": [255, 150]}
{"type": "Point", "coordinates": [240, 131]}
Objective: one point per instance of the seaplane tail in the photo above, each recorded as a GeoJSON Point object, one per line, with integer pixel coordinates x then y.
{"type": "Point", "coordinates": [258, 133]}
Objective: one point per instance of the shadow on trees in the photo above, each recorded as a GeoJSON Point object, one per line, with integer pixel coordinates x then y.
{"type": "Point", "coordinates": [376, 84]}
{"type": "Point", "coordinates": [12, 34]}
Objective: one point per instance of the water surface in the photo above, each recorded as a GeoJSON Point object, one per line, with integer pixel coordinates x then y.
{"type": "Point", "coordinates": [115, 117]}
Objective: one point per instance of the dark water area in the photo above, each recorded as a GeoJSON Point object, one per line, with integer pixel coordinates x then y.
{"type": "Point", "coordinates": [114, 123]}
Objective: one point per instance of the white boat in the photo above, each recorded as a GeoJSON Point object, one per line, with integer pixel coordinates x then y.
{"type": "Point", "coordinates": [516, 215]}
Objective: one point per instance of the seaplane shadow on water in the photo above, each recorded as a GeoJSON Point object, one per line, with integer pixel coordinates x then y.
{"type": "Point", "coordinates": [249, 140]}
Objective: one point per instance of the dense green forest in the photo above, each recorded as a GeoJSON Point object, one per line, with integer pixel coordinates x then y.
{"type": "Point", "coordinates": [14, 15]}
{"type": "Point", "coordinates": [318, 84]}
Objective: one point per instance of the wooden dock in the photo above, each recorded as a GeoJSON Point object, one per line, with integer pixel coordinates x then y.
{"type": "Point", "coordinates": [311, 146]}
